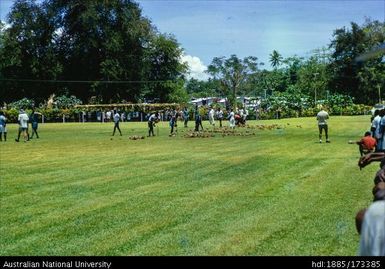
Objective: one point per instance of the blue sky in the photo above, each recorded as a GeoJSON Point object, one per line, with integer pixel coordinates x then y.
{"type": "Point", "coordinates": [211, 28]}
{"type": "Point", "coordinates": [207, 29]}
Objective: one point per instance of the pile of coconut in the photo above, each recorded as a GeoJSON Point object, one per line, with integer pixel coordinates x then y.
{"type": "Point", "coordinates": [199, 134]}
{"type": "Point", "coordinates": [136, 137]}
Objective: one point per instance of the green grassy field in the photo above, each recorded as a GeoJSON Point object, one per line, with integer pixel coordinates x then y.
{"type": "Point", "coordinates": [76, 191]}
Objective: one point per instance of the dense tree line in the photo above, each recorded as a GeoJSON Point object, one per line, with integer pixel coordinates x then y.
{"type": "Point", "coordinates": [330, 70]}
{"type": "Point", "coordinates": [107, 51]}
{"type": "Point", "coordinates": [101, 49]}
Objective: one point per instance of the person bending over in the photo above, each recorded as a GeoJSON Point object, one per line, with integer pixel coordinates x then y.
{"type": "Point", "coordinates": [367, 144]}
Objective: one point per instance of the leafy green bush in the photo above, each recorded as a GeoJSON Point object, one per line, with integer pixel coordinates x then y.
{"type": "Point", "coordinates": [63, 101]}
{"type": "Point", "coordinates": [22, 104]}
{"type": "Point", "coordinates": [11, 114]}
{"type": "Point", "coordinates": [72, 114]}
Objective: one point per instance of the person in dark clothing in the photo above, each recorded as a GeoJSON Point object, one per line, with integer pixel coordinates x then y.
{"type": "Point", "coordinates": [219, 115]}
{"type": "Point", "coordinates": [173, 121]}
{"type": "Point", "coordinates": [3, 126]}
{"type": "Point", "coordinates": [116, 123]}
{"type": "Point", "coordinates": [198, 120]}
{"type": "Point", "coordinates": [34, 119]}
{"type": "Point", "coordinates": [185, 116]}
{"type": "Point", "coordinates": [152, 120]}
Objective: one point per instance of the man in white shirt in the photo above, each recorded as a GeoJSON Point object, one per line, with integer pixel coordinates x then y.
{"type": "Point", "coordinates": [375, 128]}
{"type": "Point", "coordinates": [231, 118]}
{"type": "Point", "coordinates": [219, 116]}
{"type": "Point", "coordinates": [116, 123]}
{"type": "Point", "coordinates": [23, 126]}
{"type": "Point", "coordinates": [211, 117]}
{"type": "Point", "coordinates": [245, 114]}
{"type": "Point", "coordinates": [322, 117]}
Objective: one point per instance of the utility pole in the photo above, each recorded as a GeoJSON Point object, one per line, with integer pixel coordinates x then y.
{"type": "Point", "coordinates": [315, 88]}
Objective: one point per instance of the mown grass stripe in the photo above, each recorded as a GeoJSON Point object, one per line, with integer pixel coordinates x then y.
{"type": "Point", "coordinates": [79, 191]}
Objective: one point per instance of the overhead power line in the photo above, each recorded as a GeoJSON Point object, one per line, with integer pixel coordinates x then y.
{"type": "Point", "coordinates": [86, 81]}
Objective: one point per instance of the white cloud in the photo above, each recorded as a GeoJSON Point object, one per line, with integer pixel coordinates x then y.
{"type": "Point", "coordinates": [196, 67]}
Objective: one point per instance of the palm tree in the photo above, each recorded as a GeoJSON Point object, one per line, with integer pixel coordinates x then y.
{"type": "Point", "coordinates": [275, 59]}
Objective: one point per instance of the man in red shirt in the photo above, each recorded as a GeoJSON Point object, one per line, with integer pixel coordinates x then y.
{"type": "Point", "coordinates": [367, 144]}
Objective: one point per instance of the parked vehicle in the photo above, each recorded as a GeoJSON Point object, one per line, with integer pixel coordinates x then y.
{"type": "Point", "coordinates": [377, 107]}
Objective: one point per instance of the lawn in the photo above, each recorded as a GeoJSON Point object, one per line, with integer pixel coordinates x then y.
{"type": "Point", "coordinates": [78, 191]}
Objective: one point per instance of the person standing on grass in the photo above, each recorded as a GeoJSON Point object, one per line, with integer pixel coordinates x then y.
{"type": "Point", "coordinates": [245, 114]}
{"type": "Point", "coordinates": [257, 112]}
{"type": "Point", "coordinates": [185, 116]}
{"type": "Point", "coordinates": [375, 123]}
{"type": "Point", "coordinates": [173, 121]}
{"type": "Point", "coordinates": [151, 123]}
{"type": "Point", "coordinates": [231, 119]}
{"type": "Point", "coordinates": [34, 119]}
{"type": "Point", "coordinates": [3, 128]}
{"type": "Point", "coordinates": [376, 128]}
{"type": "Point", "coordinates": [211, 117]}
{"type": "Point", "coordinates": [381, 132]}
{"type": "Point", "coordinates": [23, 126]}
{"type": "Point", "coordinates": [322, 118]}
{"type": "Point", "coordinates": [122, 116]}
{"type": "Point", "coordinates": [108, 115]}
{"type": "Point", "coordinates": [219, 115]}
{"type": "Point", "coordinates": [116, 122]}
{"type": "Point", "coordinates": [198, 120]}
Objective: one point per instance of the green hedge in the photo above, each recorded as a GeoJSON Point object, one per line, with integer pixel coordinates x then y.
{"type": "Point", "coordinates": [72, 114]}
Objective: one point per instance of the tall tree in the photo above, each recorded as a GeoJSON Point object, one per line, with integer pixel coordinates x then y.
{"type": "Point", "coordinates": [313, 78]}
{"type": "Point", "coordinates": [101, 49]}
{"type": "Point", "coordinates": [200, 88]}
{"type": "Point", "coordinates": [165, 71]}
{"type": "Point", "coordinates": [28, 51]}
{"type": "Point", "coordinates": [351, 77]}
{"type": "Point", "coordinates": [293, 64]}
{"type": "Point", "coordinates": [103, 40]}
{"type": "Point", "coordinates": [275, 59]}
{"type": "Point", "coordinates": [232, 73]}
